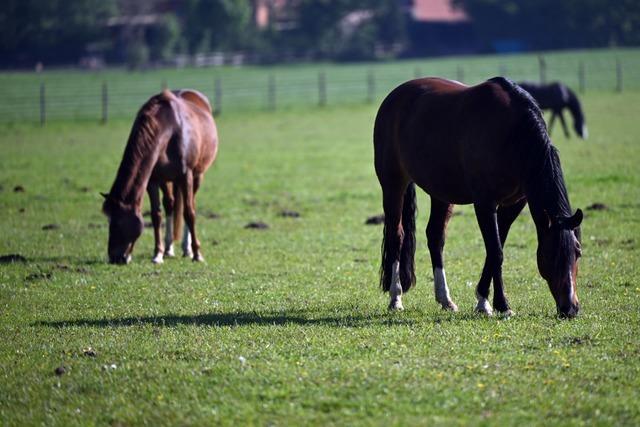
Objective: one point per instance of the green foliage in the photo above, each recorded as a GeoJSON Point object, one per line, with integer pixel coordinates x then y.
{"type": "Point", "coordinates": [546, 24]}
{"type": "Point", "coordinates": [163, 38]}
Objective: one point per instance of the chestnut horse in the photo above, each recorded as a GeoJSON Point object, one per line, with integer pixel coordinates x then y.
{"type": "Point", "coordinates": [172, 143]}
{"type": "Point", "coordinates": [486, 145]}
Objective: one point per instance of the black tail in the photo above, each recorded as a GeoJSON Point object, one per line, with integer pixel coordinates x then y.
{"type": "Point", "coordinates": [406, 246]}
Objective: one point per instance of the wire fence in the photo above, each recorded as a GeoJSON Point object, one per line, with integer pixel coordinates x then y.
{"type": "Point", "coordinates": [28, 97]}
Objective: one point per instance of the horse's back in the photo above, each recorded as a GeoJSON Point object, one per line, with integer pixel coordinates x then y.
{"type": "Point", "coordinates": [443, 135]}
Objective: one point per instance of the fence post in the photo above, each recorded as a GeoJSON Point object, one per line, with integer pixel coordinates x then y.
{"type": "Point", "coordinates": [105, 103]}
{"type": "Point", "coordinates": [322, 89]}
{"type": "Point", "coordinates": [581, 77]}
{"type": "Point", "coordinates": [459, 74]}
{"type": "Point", "coordinates": [618, 75]}
{"type": "Point", "coordinates": [543, 69]}
{"type": "Point", "coordinates": [43, 105]}
{"type": "Point", "coordinates": [271, 93]}
{"type": "Point", "coordinates": [371, 86]}
{"type": "Point", "coordinates": [217, 96]}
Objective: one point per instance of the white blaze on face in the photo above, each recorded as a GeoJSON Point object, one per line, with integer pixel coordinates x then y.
{"type": "Point", "coordinates": [395, 291]}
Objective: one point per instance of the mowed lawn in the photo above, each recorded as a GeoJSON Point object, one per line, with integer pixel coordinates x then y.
{"type": "Point", "coordinates": [287, 325]}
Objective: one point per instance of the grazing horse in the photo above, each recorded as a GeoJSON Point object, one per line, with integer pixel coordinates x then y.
{"type": "Point", "coordinates": [556, 97]}
{"type": "Point", "coordinates": [486, 145]}
{"type": "Point", "coordinates": [172, 143]}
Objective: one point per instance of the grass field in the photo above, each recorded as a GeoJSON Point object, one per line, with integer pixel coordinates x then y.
{"type": "Point", "coordinates": [287, 326]}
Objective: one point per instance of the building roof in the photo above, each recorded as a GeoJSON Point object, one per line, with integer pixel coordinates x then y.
{"type": "Point", "coordinates": [437, 11]}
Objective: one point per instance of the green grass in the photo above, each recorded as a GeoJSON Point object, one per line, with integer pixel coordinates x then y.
{"type": "Point", "coordinates": [287, 326]}
{"type": "Point", "coordinates": [77, 94]}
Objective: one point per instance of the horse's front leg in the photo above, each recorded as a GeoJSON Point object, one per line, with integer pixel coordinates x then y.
{"type": "Point", "coordinates": [156, 219]}
{"type": "Point", "coordinates": [506, 216]}
{"type": "Point", "coordinates": [487, 220]}
{"type": "Point", "coordinates": [187, 192]}
{"type": "Point", "coordinates": [564, 125]}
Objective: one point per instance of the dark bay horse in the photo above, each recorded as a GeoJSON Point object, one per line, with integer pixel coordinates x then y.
{"type": "Point", "coordinates": [486, 145]}
{"type": "Point", "coordinates": [172, 143]}
{"type": "Point", "coordinates": [556, 97]}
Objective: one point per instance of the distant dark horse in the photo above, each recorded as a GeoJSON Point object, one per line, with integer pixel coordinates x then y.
{"type": "Point", "coordinates": [485, 145]}
{"type": "Point", "coordinates": [556, 97]}
{"type": "Point", "coordinates": [172, 143]}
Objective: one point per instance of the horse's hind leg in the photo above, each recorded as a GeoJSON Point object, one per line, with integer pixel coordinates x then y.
{"type": "Point", "coordinates": [438, 219]}
{"type": "Point", "coordinates": [168, 202]}
{"type": "Point", "coordinates": [393, 199]}
{"type": "Point", "coordinates": [506, 215]}
{"type": "Point", "coordinates": [156, 219]}
{"type": "Point", "coordinates": [188, 185]}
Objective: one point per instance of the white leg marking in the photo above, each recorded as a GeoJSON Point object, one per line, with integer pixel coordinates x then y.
{"type": "Point", "coordinates": [396, 288]}
{"type": "Point", "coordinates": [585, 132]}
{"type": "Point", "coordinates": [483, 305]}
{"type": "Point", "coordinates": [186, 242]}
{"type": "Point", "coordinates": [442, 290]}
{"type": "Point", "coordinates": [168, 236]}
{"type": "Point", "coordinates": [128, 259]}
{"type": "Point", "coordinates": [158, 259]}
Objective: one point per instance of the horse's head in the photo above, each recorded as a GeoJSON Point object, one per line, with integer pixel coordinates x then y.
{"type": "Point", "coordinates": [125, 226]}
{"type": "Point", "coordinates": [558, 254]}
{"type": "Point", "coordinates": [579, 123]}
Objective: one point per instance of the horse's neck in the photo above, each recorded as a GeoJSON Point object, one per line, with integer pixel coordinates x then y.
{"type": "Point", "coordinates": [547, 195]}
{"type": "Point", "coordinates": [135, 170]}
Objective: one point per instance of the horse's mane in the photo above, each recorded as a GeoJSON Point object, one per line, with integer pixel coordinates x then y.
{"type": "Point", "coordinates": [142, 140]}
{"type": "Point", "coordinates": [544, 181]}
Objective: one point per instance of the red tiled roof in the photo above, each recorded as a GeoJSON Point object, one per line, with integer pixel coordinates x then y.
{"type": "Point", "coordinates": [437, 11]}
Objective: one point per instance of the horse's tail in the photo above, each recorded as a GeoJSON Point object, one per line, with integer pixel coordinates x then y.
{"type": "Point", "coordinates": [178, 213]}
{"type": "Point", "coordinates": [407, 245]}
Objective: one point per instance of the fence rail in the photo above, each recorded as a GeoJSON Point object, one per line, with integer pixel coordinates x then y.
{"type": "Point", "coordinates": [28, 97]}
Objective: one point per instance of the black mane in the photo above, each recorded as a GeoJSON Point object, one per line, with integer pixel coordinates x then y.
{"type": "Point", "coordinates": [544, 181]}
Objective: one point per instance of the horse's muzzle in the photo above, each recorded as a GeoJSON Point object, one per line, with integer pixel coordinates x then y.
{"type": "Point", "coordinates": [568, 311]}
{"type": "Point", "coordinates": [120, 259]}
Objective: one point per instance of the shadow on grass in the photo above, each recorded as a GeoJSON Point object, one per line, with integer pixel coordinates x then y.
{"type": "Point", "coordinates": [237, 319]}
{"type": "Point", "coordinates": [347, 319]}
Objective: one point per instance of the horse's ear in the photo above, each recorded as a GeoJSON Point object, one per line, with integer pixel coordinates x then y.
{"type": "Point", "coordinates": [105, 195]}
{"type": "Point", "coordinates": [569, 223]}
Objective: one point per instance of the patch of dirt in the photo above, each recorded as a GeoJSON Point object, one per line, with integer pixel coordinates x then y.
{"type": "Point", "coordinates": [360, 260]}
{"type": "Point", "coordinates": [11, 258]}
{"type": "Point", "coordinates": [258, 225]}
{"type": "Point", "coordinates": [51, 227]}
{"type": "Point", "coordinates": [375, 220]}
{"type": "Point", "coordinates": [22, 210]}
{"type": "Point", "coordinates": [289, 214]}
{"type": "Point", "coordinates": [215, 242]}
{"type": "Point", "coordinates": [84, 189]}
{"type": "Point", "coordinates": [597, 207]}
{"type": "Point", "coordinates": [18, 189]}
{"type": "Point", "coordinates": [41, 275]}
{"type": "Point", "coordinates": [210, 215]}
{"type": "Point", "coordinates": [60, 370]}
{"type": "Point", "coordinates": [95, 225]}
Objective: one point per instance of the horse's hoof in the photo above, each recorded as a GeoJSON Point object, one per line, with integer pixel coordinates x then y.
{"type": "Point", "coordinates": [157, 259]}
{"type": "Point", "coordinates": [169, 252]}
{"type": "Point", "coordinates": [396, 306]}
{"type": "Point", "coordinates": [484, 307]}
{"type": "Point", "coordinates": [198, 258]}
{"type": "Point", "coordinates": [507, 313]}
{"type": "Point", "coordinates": [449, 306]}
